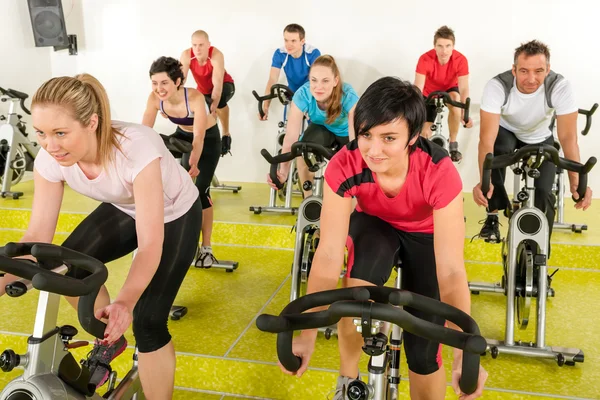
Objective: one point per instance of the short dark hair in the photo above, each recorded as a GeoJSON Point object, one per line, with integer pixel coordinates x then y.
{"type": "Point", "coordinates": [170, 65]}
{"type": "Point", "coordinates": [295, 28]}
{"type": "Point", "coordinates": [444, 33]}
{"type": "Point", "coordinates": [387, 100]}
{"type": "Point", "coordinates": [532, 48]}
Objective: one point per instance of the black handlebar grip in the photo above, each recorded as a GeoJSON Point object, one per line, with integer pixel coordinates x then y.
{"type": "Point", "coordinates": [285, 352]}
{"type": "Point", "coordinates": [25, 107]}
{"type": "Point", "coordinates": [274, 177]}
{"type": "Point", "coordinates": [13, 249]}
{"type": "Point", "coordinates": [486, 174]}
{"type": "Point", "coordinates": [467, 105]}
{"type": "Point", "coordinates": [588, 118]}
{"type": "Point", "coordinates": [260, 104]}
{"type": "Point", "coordinates": [181, 145]}
{"type": "Point", "coordinates": [272, 323]}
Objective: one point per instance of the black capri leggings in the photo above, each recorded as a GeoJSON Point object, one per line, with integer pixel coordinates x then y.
{"type": "Point", "coordinates": [374, 247]}
{"type": "Point", "coordinates": [209, 159]}
{"type": "Point", "coordinates": [108, 234]}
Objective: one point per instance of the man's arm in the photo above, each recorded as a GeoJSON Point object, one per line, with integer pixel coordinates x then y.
{"type": "Point", "coordinates": [420, 81]}
{"type": "Point", "coordinates": [567, 136]}
{"type": "Point", "coordinates": [185, 61]}
{"type": "Point", "coordinates": [218, 62]}
{"type": "Point", "coordinates": [463, 88]}
{"type": "Point", "coordinates": [273, 78]}
{"type": "Point", "coordinates": [489, 125]}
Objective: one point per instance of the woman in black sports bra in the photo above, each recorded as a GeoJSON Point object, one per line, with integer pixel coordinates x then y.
{"type": "Point", "coordinates": [187, 108]}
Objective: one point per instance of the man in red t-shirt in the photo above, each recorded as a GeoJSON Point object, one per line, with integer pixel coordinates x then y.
{"type": "Point", "coordinates": [207, 65]}
{"type": "Point", "coordinates": [444, 69]}
{"type": "Point", "coordinates": [407, 192]}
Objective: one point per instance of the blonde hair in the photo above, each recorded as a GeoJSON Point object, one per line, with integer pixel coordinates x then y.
{"type": "Point", "coordinates": [334, 104]}
{"type": "Point", "coordinates": [83, 95]}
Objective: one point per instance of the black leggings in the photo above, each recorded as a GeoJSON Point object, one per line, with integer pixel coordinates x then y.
{"type": "Point", "coordinates": [207, 164]}
{"type": "Point", "coordinates": [108, 234]}
{"type": "Point", "coordinates": [374, 247]}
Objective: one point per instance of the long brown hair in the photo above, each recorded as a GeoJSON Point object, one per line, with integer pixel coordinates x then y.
{"type": "Point", "coordinates": [334, 104]}
{"type": "Point", "coordinates": [83, 95]}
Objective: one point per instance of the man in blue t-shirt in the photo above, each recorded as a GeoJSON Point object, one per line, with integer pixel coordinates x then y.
{"type": "Point", "coordinates": [295, 57]}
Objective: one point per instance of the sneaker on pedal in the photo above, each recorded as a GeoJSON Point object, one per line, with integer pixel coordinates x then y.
{"type": "Point", "coordinates": [341, 389]}
{"type": "Point", "coordinates": [490, 231]}
{"type": "Point", "coordinates": [455, 155]}
{"type": "Point", "coordinates": [205, 257]}
{"type": "Point", "coordinates": [99, 359]}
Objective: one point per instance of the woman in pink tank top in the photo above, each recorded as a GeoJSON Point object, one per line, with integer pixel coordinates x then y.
{"type": "Point", "coordinates": [148, 203]}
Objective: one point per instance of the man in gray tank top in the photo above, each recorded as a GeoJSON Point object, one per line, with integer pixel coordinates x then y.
{"type": "Point", "coordinates": [517, 108]}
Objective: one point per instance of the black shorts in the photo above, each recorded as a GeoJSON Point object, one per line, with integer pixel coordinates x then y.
{"type": "Point", "coordinates": [319, 134]}
{"type": "Point", "coordinates": [226, 95]}
{"type": "Point", "coordinates": [431, 114]}
{"type": "Point", "coordinates": [374, 248]}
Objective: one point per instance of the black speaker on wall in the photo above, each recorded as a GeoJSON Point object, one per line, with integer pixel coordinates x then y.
{"type": "Point", "coordinates": [48, 24]}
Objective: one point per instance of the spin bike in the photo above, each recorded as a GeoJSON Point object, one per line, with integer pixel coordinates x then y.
{"type": "Point", "coordinates": [17, 152]}
{"type": "Point", "coordinates": [309, 211]}
{"type": "Point", "coordinates": [525, 253]}
{"type": "Point", "coordinates": [559, 186]}
{"type": "Point", "coordinates": [50, 370]}
{"type": "Point", "coordinates": [284, 94]}
{"type": "Point", "coordinates": [441, 100]}
{"type": "Point", "coordinates": [372, 308]}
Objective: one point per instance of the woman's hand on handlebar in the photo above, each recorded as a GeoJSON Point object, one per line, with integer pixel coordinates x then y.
{"type": "Point", "coordinates": [282, 174]}
{"type": "Point", "coordinates": [456, 374]}
{"type": "Point", "coordinates": [478, 196]}
{"type": "Point", "coordinates": [587, 199]}
{"type": "Point", "coordinates": [303, 346]}
{"type": "Point", "coordinates": [469, 123]}
{"type": "Point", "coordinates": [119, 319]}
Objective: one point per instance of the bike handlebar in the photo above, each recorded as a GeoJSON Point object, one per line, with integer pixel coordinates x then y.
{"type": "Point", "coordinates": [588, 118]}
{"type": "Point", "coordinates": [298, 148]}
{"type": "Point", "coordinates": [177, 144]}
{"type": "Point", "coordinates": [354, 302]}
{"type": "Point", "coordinates": [448, 100]}
{"type": "Point", "coordinates": [282, 92]}
{"type": "Point", "coordinates": [14, 94]}
{"type": "Point", "coordinates": [46, 280]}
{"type": "Point", "coordinates": [539, 150]}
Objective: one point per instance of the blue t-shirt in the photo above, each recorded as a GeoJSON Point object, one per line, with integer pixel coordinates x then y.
{"type": "Point", "coordinates": [296, 69]}
{"type": "Point", "coordinates": [305, 101]}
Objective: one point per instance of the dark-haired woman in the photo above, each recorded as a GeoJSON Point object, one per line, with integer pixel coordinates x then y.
{"type": "Point", "coordinates": [329, 105]}
{"type": "Point", "coordinates": [409, 207]}
{"type": "Point", "coordinates": [187, 108]}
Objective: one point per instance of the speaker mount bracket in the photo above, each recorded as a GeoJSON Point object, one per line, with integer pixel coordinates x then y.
{"type": "Point", "coordinates": [72, 46]}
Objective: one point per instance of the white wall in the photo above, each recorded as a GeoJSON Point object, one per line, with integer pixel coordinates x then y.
{"type": "Point", "coordinates": [119, 39]}
{"type": "Point", "coordinates": [22, 65]}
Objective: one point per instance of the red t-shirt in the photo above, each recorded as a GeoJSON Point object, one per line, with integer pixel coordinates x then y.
{"type": "Point", "coordinates": [431, 184]}
{"type": "Point", "coordinates": [441, 77]}
{"type": "Point", "coordinates": [203, 73]}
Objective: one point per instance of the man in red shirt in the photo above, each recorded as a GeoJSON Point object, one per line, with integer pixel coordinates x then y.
{"type": "Point", "coordinates": [407, 192]}
{"type": "Point", "coordinates": [444, 69]}
{"type": "Point", "coordinates": [207, 66]}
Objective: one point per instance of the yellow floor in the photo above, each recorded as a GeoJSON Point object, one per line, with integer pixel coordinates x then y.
{"type": "Point", "coordinates": [222, 355]}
